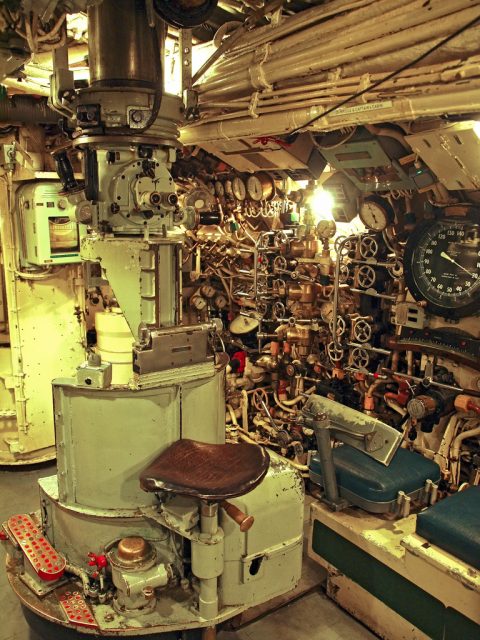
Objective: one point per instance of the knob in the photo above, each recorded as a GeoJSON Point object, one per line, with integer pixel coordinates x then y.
{"type": "Point", "coordinates": [244, 522]}
{"type": "Point", "coordinates": [421, 406]}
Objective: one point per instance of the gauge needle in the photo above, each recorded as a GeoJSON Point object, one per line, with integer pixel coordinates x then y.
{"type": "Point", "coordinates": [447, 257]}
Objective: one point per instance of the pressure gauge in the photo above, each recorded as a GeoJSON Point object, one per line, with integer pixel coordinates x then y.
{"type": "Point", "coordinates": [239, 190]}
{"type": "Point", "coordinates": [376, 213]}
{"type": "Point", "coordinates": [207, 291]}
{"type": "Point", "coordinates": [326, 229]}
{"type": "Point", "coordinates": [260, 186]}
{"type": "Point", "coordinates": [442, 266]}
{"type": "Point", "coordinates": [198, 302]}
{"type": "Point", "coordinates": [242, 325]}
{"type": "Point", "coordinates": [210, 188]}
{"type": "Point", "coordinates": [254, 188]}
{"type": "Point", "coordinates": [219, 190]}
{"type": "Point", "coordinates": [326, 312]}
{"type": "Point", "coordinates": [228, 188]}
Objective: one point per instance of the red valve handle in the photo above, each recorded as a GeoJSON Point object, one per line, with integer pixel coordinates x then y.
{"type": "Point", "coordinates": [99, 561]}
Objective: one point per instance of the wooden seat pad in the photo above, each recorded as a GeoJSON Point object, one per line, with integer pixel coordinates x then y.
{"type": "Point", "coordinates": [211, 472]}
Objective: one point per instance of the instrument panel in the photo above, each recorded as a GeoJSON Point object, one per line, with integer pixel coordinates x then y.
{"type": "Point", "coordinates": [442, 266]}
{"type": "Point", "coordinates": [377, 310]}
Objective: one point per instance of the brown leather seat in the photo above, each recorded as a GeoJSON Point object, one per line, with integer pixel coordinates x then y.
{"type": "Point", "coordinates": [211, 472]}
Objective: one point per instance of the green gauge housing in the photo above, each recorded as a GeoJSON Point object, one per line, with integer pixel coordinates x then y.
{"type": "Point", "coordinates": [442, 266]}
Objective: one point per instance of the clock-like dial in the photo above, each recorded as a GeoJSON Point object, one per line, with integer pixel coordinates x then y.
{"type": "Point", "coordinates": [219, 190]}
{"type": "Point", "coordinates": [376, 213]}
{"type": "Point", "coordinates": [239, 189]}
{"type": "Point", "coordinates": [326, 229]}
{"type": "Point", "coordinates": [228, 188]}
{"type": "Point", "coordinates": [260, 186]}
{"type": "Point", "coordinates": [442, 266]}
{"type": "Point", "coordinates": [254, 188]}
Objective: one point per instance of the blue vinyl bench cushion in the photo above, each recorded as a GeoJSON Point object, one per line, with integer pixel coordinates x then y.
{"type": "Point", "coordinates": [371, 480]}
{"type": "Point", "coordinates": [453, 525]}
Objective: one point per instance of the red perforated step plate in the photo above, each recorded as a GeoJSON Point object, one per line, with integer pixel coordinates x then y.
{"type": "Point", "coordinates": [76, 609]}
{"type": "Point", "coordinates": [47, 563]}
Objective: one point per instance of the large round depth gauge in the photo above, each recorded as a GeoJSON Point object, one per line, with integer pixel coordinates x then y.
{"type": "Point", "coordinates": [442, 266]}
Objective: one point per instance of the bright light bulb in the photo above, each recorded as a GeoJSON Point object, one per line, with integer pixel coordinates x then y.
{"type": "Point", "coordinates": [476, 128]}
{"type": "Point", "coordinates": [322, 204]}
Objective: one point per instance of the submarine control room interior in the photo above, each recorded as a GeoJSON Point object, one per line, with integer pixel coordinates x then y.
{"type": "Point", "coordinates": [239, 319]}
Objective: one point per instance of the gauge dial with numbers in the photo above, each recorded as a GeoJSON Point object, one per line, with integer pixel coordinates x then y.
{"type": "Point", "coordinates": [228, 188]}
{"type": "Point", "coordinates": [219, 190]}
{"type": "Point", "coordinates": [376, 213]}
{"type": "Point", "coordinates": [260, 186]}
{"type": "Point", "coordinates": [442, 266]}
{"type": "Point", "coordinates": [239, 189]}
{"type": "Point", "coordinates": [326, 229]}
{"type": "Point", "coordinates": [254, 188]}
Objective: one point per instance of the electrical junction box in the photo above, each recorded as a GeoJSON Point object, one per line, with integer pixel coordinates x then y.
{"type": "Point", "coordinates": [452, 152]}
{"type": "Point", "coordinates": [47, 229]}
{"type": "Point", "coordinates": [345, 196]}
{"type": "Point", "coordinates": [299, 160]}
{"type": "Point", "coordinates": [371, 162]}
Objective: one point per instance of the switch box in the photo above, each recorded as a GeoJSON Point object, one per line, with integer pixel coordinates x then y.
{"type": "Point", "coordinates": [46, 225]}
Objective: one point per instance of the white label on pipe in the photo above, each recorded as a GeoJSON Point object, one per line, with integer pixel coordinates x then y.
{"type": "Point", "coordinates": [359, 108]}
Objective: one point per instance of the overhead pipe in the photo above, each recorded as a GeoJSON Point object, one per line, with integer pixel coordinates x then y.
{"type": "Point", "coordinates": [331, 56]}
{"type": "Point", "coordinates": [309, 36]}
{"type": "Point", "coordinates": [358, 45]}
{"type": "Point", "coordinates": [411, 81]}
{"type": "Point", "coordinates": [456, 100]}
{"type": "Point", "coordinates": [308, 87]}
{"type": "Point", "coordinates": [466, 44]}
{"type": "Point", "coordinates": [298, 21]}
{"type": "Point", "coordinates": [277, 101]}
{"type": "Point", "coordinates": [26, 86]}
{"type": "Point", "coordinates": [28, 110]}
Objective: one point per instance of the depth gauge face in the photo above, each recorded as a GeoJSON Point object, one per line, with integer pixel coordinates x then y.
{"type": "Point", "coordinates": [442, 266]}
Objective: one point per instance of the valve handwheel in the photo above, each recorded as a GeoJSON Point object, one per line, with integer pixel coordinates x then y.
{"type": "Point", "coordinates": [360, 358]}
{"type": "Point", "coordinates": [334, 353]}
{"type": "Point", "coordinates": [362, 330]}
{"type": "Point", "coordinates": [368, 247]}
{"type": "Point", "coordinates": [366, 276]}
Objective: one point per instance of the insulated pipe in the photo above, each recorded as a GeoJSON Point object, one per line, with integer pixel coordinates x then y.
{"type": "Point", "coordinates": [333, 54]}
{"type": "Point", "coordinates": [457, 443]}
{"type": "Point", "coordinates": [297, 22]}
{"type": "Point", "coordinates": [452, 101]}
{"type": "Point", "coordinates": [463, 45]}
{"type": "Point", "coordinates": [412, 81]}
{"type": "Point", "coordinates": [356, 44]}
{"type": "Point", "coordinates": [307, 61]}
{"type": "Point", "coordinates": [328, 34]}
{"type": "Point", "coordinates": [324, 99]}
{"type": "Point", "coordinates": [28, 110]}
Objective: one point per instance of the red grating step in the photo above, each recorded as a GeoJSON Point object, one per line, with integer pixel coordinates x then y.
{"type": "Point", "coordinates": [76, 609]}
{"type": "Point", "coordinates": [47, 563]}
